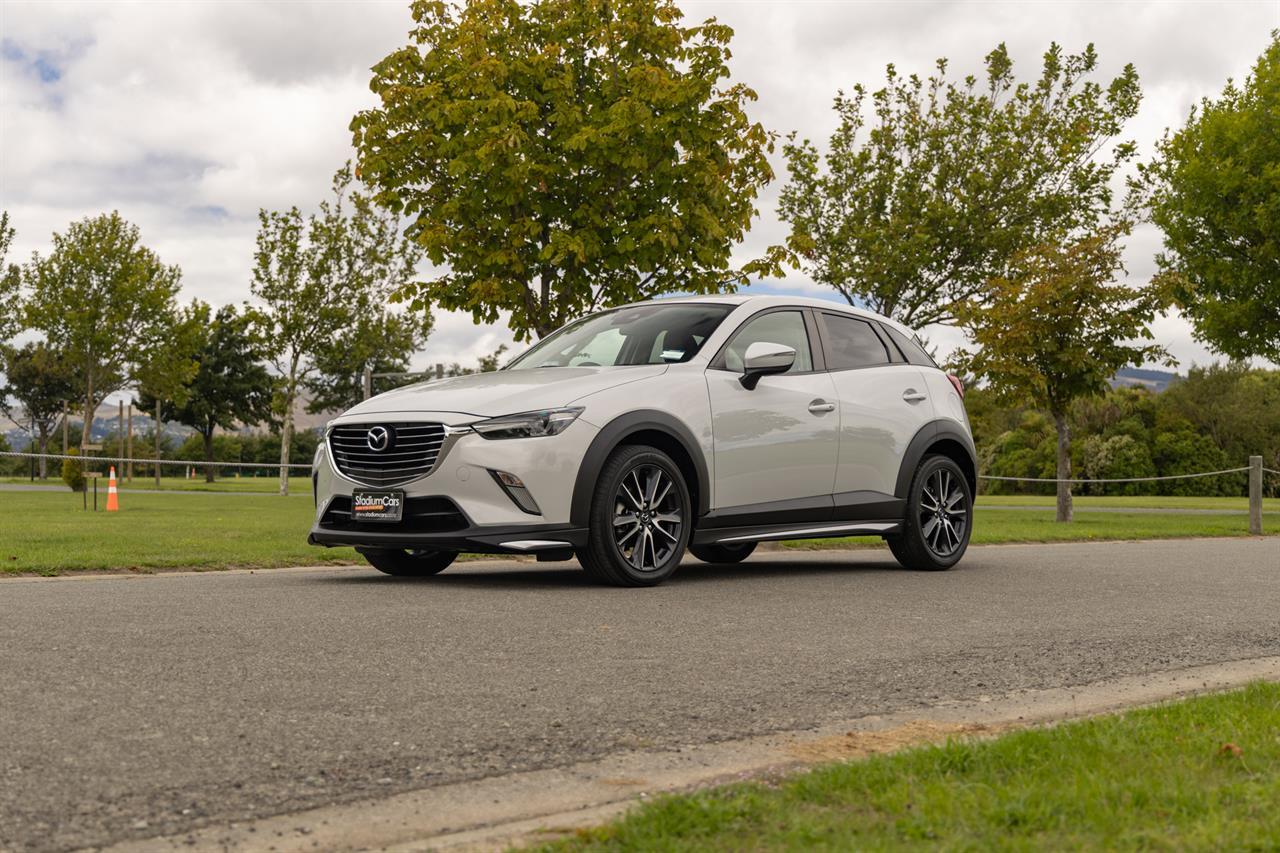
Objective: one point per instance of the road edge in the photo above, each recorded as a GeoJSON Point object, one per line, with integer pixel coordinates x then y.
{"type": "Point", "coordinates": [496, 812]}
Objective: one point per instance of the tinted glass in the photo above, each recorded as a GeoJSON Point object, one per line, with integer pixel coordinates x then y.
{"type": "Point", "coordinates": [852, 343]}
{"type": "Point", "coordinates": [910, 347]}
{"type": "Point", "coordinates": [776, 327]}
{"type": "Point", "coordinates": [643, 334]}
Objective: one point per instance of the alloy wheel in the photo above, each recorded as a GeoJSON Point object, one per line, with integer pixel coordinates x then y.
{"type": "Point", "coordinates": [944, 513]}
{"type": "Point", "coordinates": [648, 514]}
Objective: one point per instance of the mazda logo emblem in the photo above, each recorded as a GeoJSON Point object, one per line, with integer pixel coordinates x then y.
{"type": "Point", "coordinates": [378, 439]}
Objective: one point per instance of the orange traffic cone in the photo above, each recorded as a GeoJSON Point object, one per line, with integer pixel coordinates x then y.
{"type": "Point", "coordinates": [113, 502]}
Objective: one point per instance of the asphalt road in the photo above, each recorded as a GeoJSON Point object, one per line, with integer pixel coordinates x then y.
{"type": "Point", "coordinates": [131, 707]}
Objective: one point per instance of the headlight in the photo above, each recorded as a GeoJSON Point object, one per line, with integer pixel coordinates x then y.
{"type": "Point", "coordinates": [529, 424]}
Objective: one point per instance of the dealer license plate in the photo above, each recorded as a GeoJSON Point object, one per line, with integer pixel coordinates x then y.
{"type": "Point", "coordinates": [377, 506]}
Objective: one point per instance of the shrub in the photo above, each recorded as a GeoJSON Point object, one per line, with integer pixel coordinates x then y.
{"type": "Point", "coordinates": [73, 472]}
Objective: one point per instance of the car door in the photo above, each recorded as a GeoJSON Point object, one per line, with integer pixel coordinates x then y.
{"type": "Point", "coordinates": [777, 442]}
{"type": "Point", "coordinates": [883, 400]}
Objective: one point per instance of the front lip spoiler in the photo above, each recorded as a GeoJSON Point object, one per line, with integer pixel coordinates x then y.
{"type": "Point", "coordinates": [481, 539]}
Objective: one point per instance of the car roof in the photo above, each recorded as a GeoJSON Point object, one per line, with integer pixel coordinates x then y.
{"type": "Point", "coordinates": [770, 301]}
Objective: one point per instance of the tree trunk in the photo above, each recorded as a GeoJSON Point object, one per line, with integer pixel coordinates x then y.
{"type": "Point", "coordinates": [157, 442]}
{"type": "Point", "coordinates": [1064, 466]}
{"type": "Point", "coordinates": [208, 455]}
{"type": "Point", "coordinates": [44, 448]}
{"type": "Point", "coordinates": [88, 412]}
{"type": "Point", "coordinates": [286, 438]}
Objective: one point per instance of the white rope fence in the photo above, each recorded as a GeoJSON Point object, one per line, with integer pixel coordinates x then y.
{"type": "Point", "coordinates": [1118, 479]}
{"type": "Point", "coordinates": [141, 460]}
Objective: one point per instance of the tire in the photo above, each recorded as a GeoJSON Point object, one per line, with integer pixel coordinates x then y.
{"type": "Point", "coordinates": [722, 553]}
{"type": "Point", "coordinates": [640, 519]}
{"type": "Point", "coordinates": [925, 544]}
{"type": "Point", "coordinates": [408, 564]}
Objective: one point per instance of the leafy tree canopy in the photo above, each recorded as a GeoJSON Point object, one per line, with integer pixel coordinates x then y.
{"type": "Point", "coordinates": [1057, 328]}
{"type": "Point", "coordinates": [40, 382]}
{"type": "Point", "coordinates": [1215, 192]}
{"type": "Point", "coordinates": [564, 155]}
{"type": "Point", "coordinates": [10, 280]}
{"type": "Point", "coordinates": [104, 301]}
{"type": "Point", "coordinates": [379, 340]}
{"type": "Point", "coordinates": [229, 386]}
{"type": "Point", "coordinates": [322, 282]}
{"type": "Point", "coordinates": [953, 179]}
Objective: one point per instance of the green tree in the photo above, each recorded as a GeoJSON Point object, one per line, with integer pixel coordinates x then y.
{"type": "Point", "coordinates": [166, 374]}
{"type": "Point", "coordinates": [1215, 192]}
{"type": "Point", "coordinates": [564, 155]}
{"type": "Point", "coordinates": [1056, 329]}
{"type": "Point", "coordinates": [381, 341]}
{"type": "Point", "coordinates": [954, 179]}
{"type": "Point", "coordinates": [41, 383]}
{"type": "Point", "coordinates": [10, 281]}
{"type": "Point", "coordinates": [105, 302]}
{"type": "Point", "coordinates": [230, 384]}
{"type": "Point", "coordinates": [317, 277]}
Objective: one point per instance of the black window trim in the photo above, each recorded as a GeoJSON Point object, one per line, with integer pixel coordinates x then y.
{"type": "Point", "coordinates": [816, 353]}
{"type": "Point", "coordinates": [874, 324]}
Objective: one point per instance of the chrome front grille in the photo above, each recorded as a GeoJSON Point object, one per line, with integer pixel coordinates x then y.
{"type": "Point", "coordinates": [410, 451]}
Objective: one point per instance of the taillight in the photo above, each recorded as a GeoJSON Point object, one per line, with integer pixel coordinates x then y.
{"type": "Point", "coordinates": [957, 384]}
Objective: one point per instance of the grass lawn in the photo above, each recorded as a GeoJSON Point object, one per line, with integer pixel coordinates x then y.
{"type": "Point", "coordinates": [1202, 774]}
{"type": "Point", "coordinates": [1002, 526]}
{"type": "Point", "coordinates": [266, 485]}
{"type": "Point", "coordinates": [48, 532]}
{"type": "Point", "coordinates": [1161, 502]}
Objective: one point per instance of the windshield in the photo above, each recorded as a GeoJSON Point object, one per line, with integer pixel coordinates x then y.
{"type": "Point", "coordinates": [643, 334]}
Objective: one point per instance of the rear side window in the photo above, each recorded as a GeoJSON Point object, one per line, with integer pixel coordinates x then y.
{"type": "Point", "coordinates": [852, 343]}
{"type": "Point", "coordinates": [915, 353]}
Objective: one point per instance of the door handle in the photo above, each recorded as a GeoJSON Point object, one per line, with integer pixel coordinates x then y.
{"type": "Point", "coordinates": [821, 407]}
{"type": "Point", "coordinates": [911, 395]}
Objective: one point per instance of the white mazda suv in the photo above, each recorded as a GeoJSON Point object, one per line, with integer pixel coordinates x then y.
{"type": "Point", "coordinates": [626, 437]}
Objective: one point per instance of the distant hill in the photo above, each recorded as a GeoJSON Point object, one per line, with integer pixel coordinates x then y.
{"type": "Point", "coordinates": [1153, 380]}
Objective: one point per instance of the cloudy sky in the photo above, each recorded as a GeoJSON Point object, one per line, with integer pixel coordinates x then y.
{"type": "Point", "coordinates": [190, 116]}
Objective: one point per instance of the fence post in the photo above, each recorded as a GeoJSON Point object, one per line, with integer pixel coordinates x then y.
{"type": "Point", "coordinates": [367, 384]}
{"type": "Point", "coordinates": [1255, 495]}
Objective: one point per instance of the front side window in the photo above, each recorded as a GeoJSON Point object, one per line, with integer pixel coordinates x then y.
{"type": "Point", "coordinates": [642, 334]}
{"type": "Point", "coordinates": [852, 343]}
{"type": "Point", "coordinates": [776, 327]}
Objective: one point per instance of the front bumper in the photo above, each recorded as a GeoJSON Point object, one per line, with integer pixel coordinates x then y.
{"type": "Point", "coordinates": [484, 517]}
{"type": "Point", "coordinates": [482, 539]}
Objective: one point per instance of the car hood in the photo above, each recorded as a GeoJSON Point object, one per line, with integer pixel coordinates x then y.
{"type": "Point", "coordinates": [505, 392]}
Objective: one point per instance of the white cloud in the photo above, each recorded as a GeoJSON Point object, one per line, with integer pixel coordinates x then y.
{"type": "Point", "coordinates": [188, 117]}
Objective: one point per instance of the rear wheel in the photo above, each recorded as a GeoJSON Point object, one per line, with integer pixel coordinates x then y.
{"type": "Point", "coordinates": [640, 519]}
{"type": "Point", "coordinates": [409, 564]}
{"type": "Point", "coordinates": [939, 519]}
{"type": "Point", "coordinates": [722, 553]}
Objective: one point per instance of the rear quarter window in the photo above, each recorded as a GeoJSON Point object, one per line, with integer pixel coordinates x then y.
{"type": "Point", "coordinates": [910, 347]}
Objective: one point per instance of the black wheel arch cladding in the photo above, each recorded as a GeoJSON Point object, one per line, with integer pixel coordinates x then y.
{"type": "Point", "coordinates": [651, 427]}
{"type": "Point", "coordinates": [942, 437]}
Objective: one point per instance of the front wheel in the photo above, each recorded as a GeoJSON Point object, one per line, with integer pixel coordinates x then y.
{"type": "Point", "coordinates": [408, 564]}
{"type": "Point", "coordinates": [640, 519]}
{"type": "Point", "coordinates": [939, 519]}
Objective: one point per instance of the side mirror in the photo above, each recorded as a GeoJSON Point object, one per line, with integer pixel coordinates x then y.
{"type": "Point", "coordinates": [763, 359]}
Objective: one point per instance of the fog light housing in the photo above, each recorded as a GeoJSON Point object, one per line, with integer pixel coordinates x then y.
{"type": "Point", "coordinates": [517, 491]}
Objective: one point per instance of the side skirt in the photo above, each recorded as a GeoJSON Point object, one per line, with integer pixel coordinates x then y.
{"type": "Point", "coordinates": [775, 532]}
